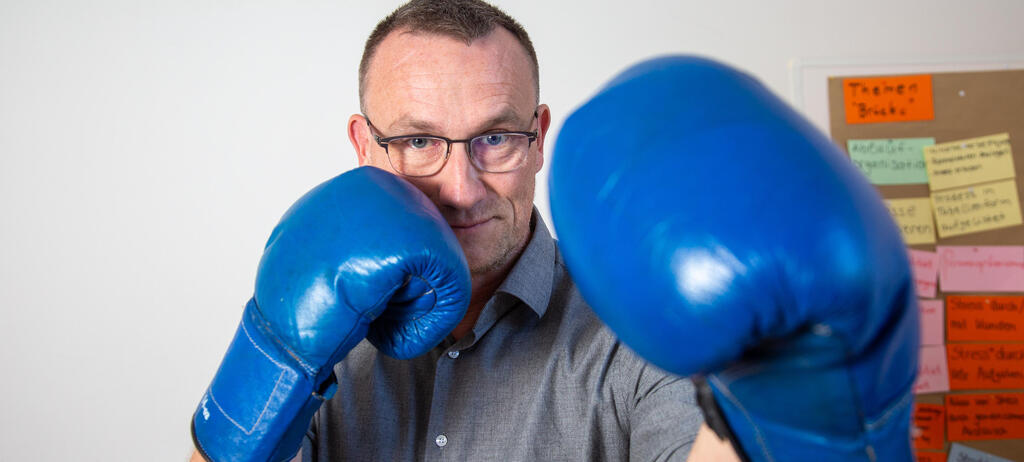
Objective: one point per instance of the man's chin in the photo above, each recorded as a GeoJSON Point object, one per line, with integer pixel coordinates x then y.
{"type": "Point", "coordinates": [483, 260]}
{"type": "Point", "coordinates": [480, 266]}
{"type": "Point", "coordinates": [486, 253]}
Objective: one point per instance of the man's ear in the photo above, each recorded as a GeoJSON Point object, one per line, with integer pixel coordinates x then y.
{"type": "Point", "coordinates": [544, 121]}
{"type": "Point", "coordinates": [359, 135]}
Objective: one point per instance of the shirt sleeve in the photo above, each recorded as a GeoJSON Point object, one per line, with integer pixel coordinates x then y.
{"type": "Point", "coordinates": [664, 416]}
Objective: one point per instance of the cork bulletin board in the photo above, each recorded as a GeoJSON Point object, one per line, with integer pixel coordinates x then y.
{"type": "Point", "coordinates": [946, 151]}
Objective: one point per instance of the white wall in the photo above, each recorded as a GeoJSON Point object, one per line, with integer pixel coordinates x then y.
{"type": "Point", "coordinates": [147, 149]}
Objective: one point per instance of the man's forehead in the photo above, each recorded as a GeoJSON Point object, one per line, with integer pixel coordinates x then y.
{"type": "Point", "coordinates": [499, 43]}
{"type": "Point", "coordinates": [419, 64]}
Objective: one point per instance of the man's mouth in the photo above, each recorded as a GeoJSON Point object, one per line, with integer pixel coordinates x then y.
{"type": "Point", "coordinates": [469, 225]}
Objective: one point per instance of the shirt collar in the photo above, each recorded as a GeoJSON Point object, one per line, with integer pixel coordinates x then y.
{"type": "Point", "coordinates": [530, 280]}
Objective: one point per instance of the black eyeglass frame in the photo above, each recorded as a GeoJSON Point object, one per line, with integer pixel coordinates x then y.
{"type": "Point", "coordinates": [383, 142]}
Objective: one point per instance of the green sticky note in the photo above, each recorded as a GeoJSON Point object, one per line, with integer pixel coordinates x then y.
{"type": "Point", "coordinates": [891, 161]}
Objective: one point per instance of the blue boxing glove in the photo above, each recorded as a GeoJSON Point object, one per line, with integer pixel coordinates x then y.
{"type": "Point", "coordinates": [717, 232]}
{"type": "Point", "coordinates": [363, 255]}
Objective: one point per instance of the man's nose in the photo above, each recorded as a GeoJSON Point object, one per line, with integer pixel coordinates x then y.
{"type": "Point", "coordinates": [460, 180]}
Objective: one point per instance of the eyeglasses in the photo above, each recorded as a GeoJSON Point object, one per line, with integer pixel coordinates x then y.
{"type": "Point", "coordinates": [425, 155]}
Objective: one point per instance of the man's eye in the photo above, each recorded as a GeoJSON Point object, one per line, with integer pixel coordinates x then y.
{"type": "Point", "coordinates": [494, 140]}
{"type": "Point", "coordinates": [418, 143]}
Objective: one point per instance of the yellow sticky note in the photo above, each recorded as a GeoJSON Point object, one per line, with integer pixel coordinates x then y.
{"type": "Point", "coordinates": [976, 208]}
{"type": "Point", "coordinates": [915, 219]}
{"type": "Point", "coordinates": [970, 161]}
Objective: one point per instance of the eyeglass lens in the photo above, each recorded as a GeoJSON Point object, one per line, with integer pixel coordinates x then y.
{"type": "Point", "coordinates": [421, 156]}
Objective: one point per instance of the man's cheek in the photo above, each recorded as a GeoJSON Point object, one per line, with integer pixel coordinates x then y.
{"type": "Point", "coordinates": [424, 185]}
{"type": "Point", "coordinates": [381, 161]}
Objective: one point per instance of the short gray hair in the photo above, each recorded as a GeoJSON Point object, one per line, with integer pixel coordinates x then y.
{"type": "Point", "coordinates": [464, 20]}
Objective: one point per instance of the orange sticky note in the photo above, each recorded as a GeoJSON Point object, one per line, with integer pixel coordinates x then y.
{"type": "Point", "coordinates": [991, 366]}
{"type": "Point", "coordinates": [888, 99]}
{"type": "Point", "coordinates": [985, 318]}
{"type": "Point", "coordinates": [930, 456]}
{"type": "Point", "coordinates": [996, 416]}
{"type": "Point", "coordinates": [930, 422]}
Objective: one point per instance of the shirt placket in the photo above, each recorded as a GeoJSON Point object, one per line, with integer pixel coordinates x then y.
{"type": "Point", "coordinates": [443, 440]}
{"type": "Point", "coordinates": [443, 434]}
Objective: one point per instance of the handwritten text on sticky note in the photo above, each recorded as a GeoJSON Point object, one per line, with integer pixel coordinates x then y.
{"type": "Point", "coordinates": [930, 422]}
{"type": "Point", "coordinates": [981, 268]}
{"type": "Point", "coordinates": [994, 366]}
{"type": "Point", "coordinates": [925, 266]}
{"type": "Point", "coordinates": [967, 162]}
{"type": "Point", "coordinates": [930, 456]}
{"type": "Point", "coordinates": [888, 99]}
{"type": "Point", "coordinates": [932, 373]}
{"type": "Point", "coordinates": [985, 318]}
{"type": "Point", "coordinates": [932, 316]}
{"type": "Point", "coordinates": [976, 208]}
{"type": "Point", "coordinates": [891, 161]}
{"type": "Point", "coordinates": [985, 417]}
{"type": "Point", "coordinates": [914, 217]}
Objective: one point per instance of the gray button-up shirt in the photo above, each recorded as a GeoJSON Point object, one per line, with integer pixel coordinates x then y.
{"type": "Point", "coordinates": [539, 378]}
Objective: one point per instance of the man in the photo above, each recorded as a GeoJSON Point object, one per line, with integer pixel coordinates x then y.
{"type": "Point", "coordinates": [529, 373]}
{"type": "Point", "coordinates": [449, 94]}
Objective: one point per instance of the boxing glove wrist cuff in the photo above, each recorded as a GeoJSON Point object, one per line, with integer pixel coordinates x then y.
{"type": "Point", "coordinates": [260, 402]}
{"type": "Point", "coordinates": [714, 417]}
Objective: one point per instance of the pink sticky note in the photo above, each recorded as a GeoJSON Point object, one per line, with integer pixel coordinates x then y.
{"type": "Point", "coordinates": [933, 320]}
{"type": "Point", "coordinates": [925, 266]}
{"type": "Point", "coordinates": [981, 269]}
{"type": "Point", "coordinates": [932, 371]}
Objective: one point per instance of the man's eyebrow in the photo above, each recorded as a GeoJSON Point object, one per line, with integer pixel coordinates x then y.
{"type": "Point", "coordinates": [506, 119]}
{"type": "Point", "coordinates": [410, 123]}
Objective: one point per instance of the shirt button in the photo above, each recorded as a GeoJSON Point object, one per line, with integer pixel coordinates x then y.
{"type": "Point", "coordinates": [453, 354]}
{"type": "Point", "coordinates": [441, 441]}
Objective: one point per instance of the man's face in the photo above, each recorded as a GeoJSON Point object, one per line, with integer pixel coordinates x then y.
{"type": "Point", "coordinates": [429, 84]}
